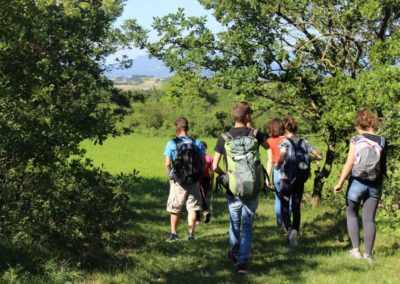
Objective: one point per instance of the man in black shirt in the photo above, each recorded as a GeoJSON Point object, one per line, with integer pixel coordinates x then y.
{"type": "Point", "coordinates": [241, 211]}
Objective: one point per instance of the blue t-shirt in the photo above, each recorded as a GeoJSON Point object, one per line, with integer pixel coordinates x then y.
{"type": "Point", "coordinates": [170, 148]}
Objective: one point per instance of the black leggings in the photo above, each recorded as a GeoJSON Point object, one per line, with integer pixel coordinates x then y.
{"type": "Point", "coordinates": [368, 219]}
{"type": "Point", "coordinates": [294, 191]}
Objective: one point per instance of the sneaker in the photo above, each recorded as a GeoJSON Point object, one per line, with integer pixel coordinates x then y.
{"type": "Point", "coordinates": [355, 254]}
{"type": "Point", "coordinates": [282, 229]}
{"type": "Point", "coordinates": [232, 258]}
{"type": "Point", "coordinates": [207, 217]}
{"type": "Point", "coordinates": [173, 238]}
{"type": "Point", "coordinates": [368, 258]}
{"type": "Point", "coordinates": [191, 237]}
{"type": "Point", "coordinates": [242, 268]}
{"type": "Point", "coordinates": [292, 237]}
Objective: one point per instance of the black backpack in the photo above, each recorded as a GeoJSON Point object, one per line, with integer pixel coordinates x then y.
{"type": "Point", "coordinates": [188, 165]}
{"type": "Point", "coordinates": [297, 167]}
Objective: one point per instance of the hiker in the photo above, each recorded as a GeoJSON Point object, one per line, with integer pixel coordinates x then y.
{"type": "Point", "coordinates": [294, 167]}
{"type": "Point", "coordinates": [239, 147]}
{"type": "Point", "coordinates": [205, 186]}
{"type": "Point", "coordinates": [184, 160]}
{"type": "Point", "coordinates": [276, 135]}
{"type": "Point", "coordinates": [365, 166]}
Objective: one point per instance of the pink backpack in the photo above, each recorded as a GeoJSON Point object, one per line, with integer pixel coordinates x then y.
{"type": "Point", "coordinates": [367, 161]}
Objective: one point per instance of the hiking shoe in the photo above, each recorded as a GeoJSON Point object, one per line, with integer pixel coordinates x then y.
{"type": "Point", "coordinates": [191, 237]}
{"type": "Point", "coordinates": [242, 268]}
{"type": "Point", "coordinates": [368, 258]}
{"type": "Point", "coordinates": [232, 258]}
{"type": "Point", "coordinates": [355, 254]}
{"type": "Point", "coordinates": [292, 237]}
{"type": "Point", "coordinates": [207, 217]}
{"type": "Point", "coordinates": [173, 238]}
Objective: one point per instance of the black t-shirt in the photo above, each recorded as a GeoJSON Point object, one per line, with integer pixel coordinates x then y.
{"type": "Point", "coordinates": [236, 132]}
{"type": "Point", "coordinates": [377, 139]}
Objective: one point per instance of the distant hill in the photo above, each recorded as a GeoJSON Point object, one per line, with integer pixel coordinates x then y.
{"type": "Point", "coordinates": [142, 66]}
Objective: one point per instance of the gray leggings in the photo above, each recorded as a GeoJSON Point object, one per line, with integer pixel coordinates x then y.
{"type": "Point", "coordinates": [368, 218]}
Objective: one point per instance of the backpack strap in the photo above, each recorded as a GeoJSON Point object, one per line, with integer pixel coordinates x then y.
{"type": "Point", "coordinates": [295, 147]}
{"type": "Point", "coordinates": [226, 136]}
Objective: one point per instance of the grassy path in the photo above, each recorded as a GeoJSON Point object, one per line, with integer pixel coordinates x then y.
{"type": "Point", "coordinates": [321, 256]}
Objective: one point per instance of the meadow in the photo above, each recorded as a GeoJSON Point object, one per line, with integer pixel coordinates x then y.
{"type": "Point", "coordinates": [321, 256]}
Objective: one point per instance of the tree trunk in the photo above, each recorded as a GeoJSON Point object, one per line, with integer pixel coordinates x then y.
{"type": "Point", "coordinates": [326, 170]}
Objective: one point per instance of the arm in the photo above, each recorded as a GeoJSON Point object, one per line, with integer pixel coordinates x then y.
{"type": "Point", "coordinates": [282, 157]}
{"type": "Point", "coordinates": [215, 167]}
{"type": "Point", "coordinates": [269, 164]}
{"type": "Point", "coordinates": [348, 166]}
{"type": "Point", "coordinates": [167, 165]}
{"type": "Point", "coordinates": [316, 154]}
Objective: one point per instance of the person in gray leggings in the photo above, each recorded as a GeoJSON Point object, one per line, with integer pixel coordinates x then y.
{"type": "Point", "coordinates": [365, 181]}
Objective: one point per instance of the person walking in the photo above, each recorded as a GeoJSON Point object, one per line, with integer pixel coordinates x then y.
{"type": "Point", "coordinates": [184, 165]}
{"type": "Point", "coordinates": [239, 147]}
{"type": "Point", "coordinates": [294, 167]}
{"type": "Point", "coordinates": [366, 167]}
{"type": "Point", "coordinates": [276, 135]}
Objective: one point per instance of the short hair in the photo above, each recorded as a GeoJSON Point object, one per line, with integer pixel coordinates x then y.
{"type": "Point", "coordinates": [275, 127]}
{"type": "Point", "coordinates": [289, 124]}
{"type": "Point", "coordinates": [366, 119]}
{"type": "Point", "coordinates": [204, 144]}
{"type": "Point", "coordinates": [182, 123]}
{"type": "Point", "coordinates": [240, 110]}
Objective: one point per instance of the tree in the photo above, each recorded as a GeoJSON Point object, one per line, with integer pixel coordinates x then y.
{"type": "Point", "coordinates": [303, 56]}
{"type": "Point", "coordinates": [53, 96]}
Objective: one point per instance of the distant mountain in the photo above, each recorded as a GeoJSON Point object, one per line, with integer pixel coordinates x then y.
{"type": "Point", "coordinates": [142, 66]}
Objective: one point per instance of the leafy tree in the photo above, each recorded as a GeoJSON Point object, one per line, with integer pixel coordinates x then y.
{"type": "Point", "coordinates": [53, 96]}
{"type": "Point", "coordinates": [307, 57]}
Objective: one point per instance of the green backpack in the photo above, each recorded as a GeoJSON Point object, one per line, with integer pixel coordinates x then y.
{"type": "Point", "coordinates": [244, 168]}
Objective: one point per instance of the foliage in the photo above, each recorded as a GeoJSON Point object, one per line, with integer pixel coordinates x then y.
{"type": "Point", "coordinates": [304, 57]}
{"type": "Point", "coordinates": [54, 96]}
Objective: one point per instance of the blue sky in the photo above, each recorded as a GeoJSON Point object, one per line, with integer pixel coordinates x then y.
{"type": "Point", "coordinates": [145, 10]}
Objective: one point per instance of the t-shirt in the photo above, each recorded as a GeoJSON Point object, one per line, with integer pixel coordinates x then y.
{"type": "Point", "coordinates": [377, 139]}
{"type": "Point", "coordinates": [273, 145]}
{"type": "Point", "coordinates": [209, 161]}
{"type": "Point", "coordinates": [286, 146]}
{"type": "Point", "coordinates": [170, 148]}
{"type": "Point", "coordinates": [236, 132]}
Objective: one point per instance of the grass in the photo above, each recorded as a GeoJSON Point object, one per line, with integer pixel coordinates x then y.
{"type": "Point", "coordinates": [321, 256]}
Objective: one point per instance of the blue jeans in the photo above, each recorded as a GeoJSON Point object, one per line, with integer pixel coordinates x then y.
{"type": "Point", "coordinates": [241, 213]}
{"type": "Point", "coordinates": [277, 185]}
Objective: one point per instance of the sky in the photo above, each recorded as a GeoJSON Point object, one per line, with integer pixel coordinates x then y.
{"type": "Point", "coordinates": [145, 10]}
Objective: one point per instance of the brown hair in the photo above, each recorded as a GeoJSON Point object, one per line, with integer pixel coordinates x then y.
{"type": "Point", "coordinates": [240, 110]}
{"type": "Point", "coordinates": [182, 123]}
{"type": "Point", "coordinates": [204, 144]}
{"type": "Point", "coordinates": [275, 128]}
{"type": "Point", "coordinates": [366, 119]}
{"type": "Point", "coordinates": [289, 124]}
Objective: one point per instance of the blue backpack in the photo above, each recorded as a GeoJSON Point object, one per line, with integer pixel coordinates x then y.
{"type": "Point", "coordinates": [297, 166]}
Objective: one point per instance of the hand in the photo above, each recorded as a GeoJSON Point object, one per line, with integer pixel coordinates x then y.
{"type": "Point", "coordinates": [337, 188]}
{"type": "Point", "coordinates": [319, 157]}
{"type": "Point", "coordinates": [268, 183]}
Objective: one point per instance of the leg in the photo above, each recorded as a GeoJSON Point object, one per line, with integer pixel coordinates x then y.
{"type": "Point", "coordinates": [368, 218]}
{"type": "Point", "coordinates": [193, 204]}
{"type": "Point", "coordinates": [296, 205]}
{"type": "Point", "coordinates": [352, 222]}
{"type": "Point", "coordinates": [248, 212]}
{"type": "Point", "coordinates": [285, 197]}
{"type": "Point", "coordinates": [235, 215]}
{"type": "Point", "coordinates": [174, 222]}
{"type": "Point", "coordinates": [191, 221]}
{"type": "Point", "coordinates": [277, 186]}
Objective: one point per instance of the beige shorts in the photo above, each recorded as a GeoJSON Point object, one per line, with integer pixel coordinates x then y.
{"type": "Point", "coordinates": [179, 194]}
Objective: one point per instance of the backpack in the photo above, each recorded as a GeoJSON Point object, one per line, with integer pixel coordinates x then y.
{"type": "Point", "coordinates": [244, 168]}
{"type": "Point", "coordinates": [367, 159]}
{"type": "Point", "coordinates": [297, 166]}
{"type": "Point", "coordinates": [188, 165]}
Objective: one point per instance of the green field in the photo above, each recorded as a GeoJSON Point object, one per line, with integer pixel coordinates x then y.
{"type": "Point", "coordinates": [320, 258]}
